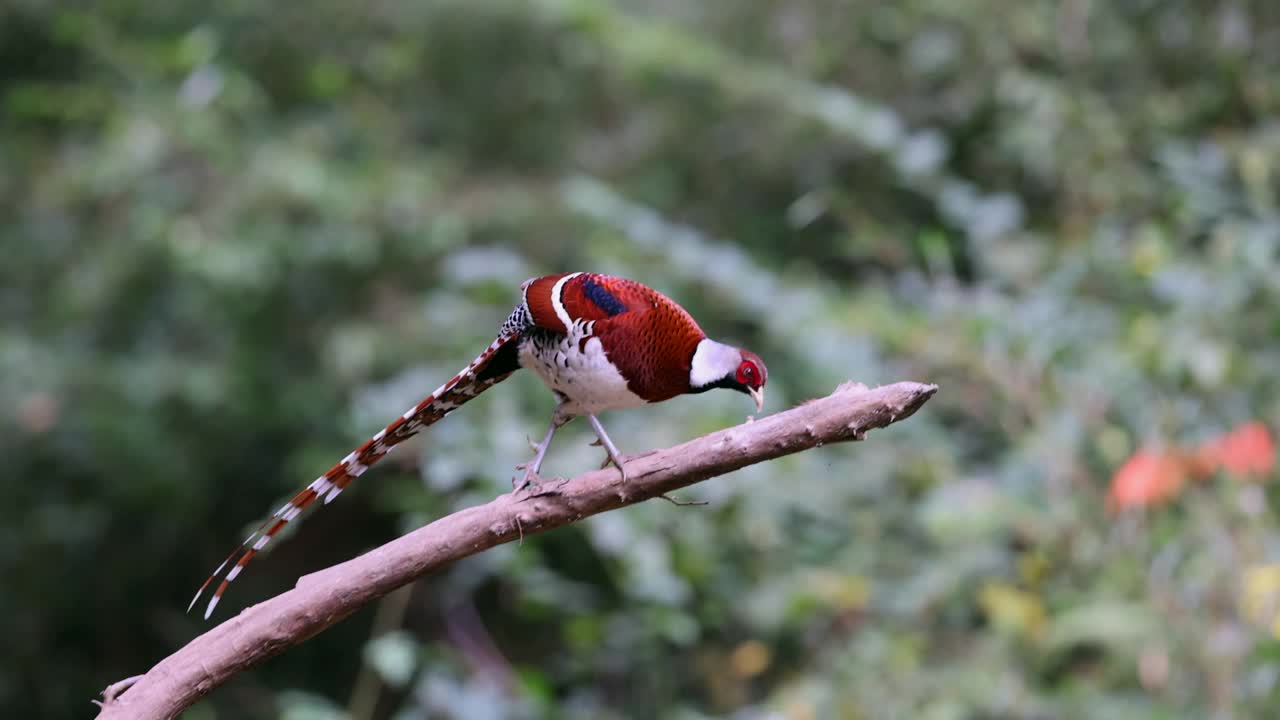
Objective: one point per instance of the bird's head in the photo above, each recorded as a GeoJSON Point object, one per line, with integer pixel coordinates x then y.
{"type": "Point", "coordinates": [716, 365]}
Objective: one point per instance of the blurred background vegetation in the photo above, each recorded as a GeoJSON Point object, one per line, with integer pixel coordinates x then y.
{"type": "Point", "coordinates": [240, 237]}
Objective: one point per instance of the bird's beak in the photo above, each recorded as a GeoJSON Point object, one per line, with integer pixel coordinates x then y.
{"type": "Point", "coordinates": [757, 394]}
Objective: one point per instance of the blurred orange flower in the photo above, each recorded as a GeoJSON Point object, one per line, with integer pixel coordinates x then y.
{"type": "Point", "coordinates": [1247, 451]}
{"type": "Point", "coordinates": [1147, 478]}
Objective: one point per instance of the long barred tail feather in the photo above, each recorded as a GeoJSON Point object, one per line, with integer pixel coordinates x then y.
{"type": "Point", "coordinates": [491, 367]}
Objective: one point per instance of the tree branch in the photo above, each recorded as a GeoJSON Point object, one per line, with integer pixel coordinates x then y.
{"type": "Point", "coordinates": [325, 597]}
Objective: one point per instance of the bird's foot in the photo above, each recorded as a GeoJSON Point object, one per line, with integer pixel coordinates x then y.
{"type": "Point", "coordinates": [611, 460]}
{"type": "Point", "coordinates": [539, 451]}
{"type": "Point", "coordinates": [529, 480]}
{"type": "Point", "coordinates": [616, 461]}
{"type": "Point", "coordinates": [608, 459]}
{"type": "Point", "coordinates": [612, 456]}
{"type": "Point", "coordinates": [535, 486]}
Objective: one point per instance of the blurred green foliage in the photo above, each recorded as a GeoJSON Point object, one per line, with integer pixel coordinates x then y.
{"type": "Point", "coordinates": [240, 237]}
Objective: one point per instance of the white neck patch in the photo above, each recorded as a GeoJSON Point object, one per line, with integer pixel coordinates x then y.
{"type": "Point", "coordinates": [712, 361]}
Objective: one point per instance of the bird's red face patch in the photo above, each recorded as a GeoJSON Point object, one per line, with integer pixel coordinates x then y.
{"type": "Point", "coordinates": [751, 371]}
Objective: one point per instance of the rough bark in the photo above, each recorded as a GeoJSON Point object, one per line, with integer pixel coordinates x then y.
{"type": "Point", "coordinates": [325, 597]}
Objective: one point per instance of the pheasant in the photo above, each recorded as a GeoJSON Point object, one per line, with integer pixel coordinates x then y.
{"type": "Point", "coordinates": [598, 342]}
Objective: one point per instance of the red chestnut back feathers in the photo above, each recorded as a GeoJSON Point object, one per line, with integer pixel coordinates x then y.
{"type": "Point", "coordinates": [647, 336]}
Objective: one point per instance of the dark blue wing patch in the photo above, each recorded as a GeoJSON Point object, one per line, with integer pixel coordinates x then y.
{"type": "Point", "coordinates": [602, 298]}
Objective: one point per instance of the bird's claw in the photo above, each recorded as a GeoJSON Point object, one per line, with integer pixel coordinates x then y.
{"type": "Point", "coordinates": [529, 480]}
{"type": "Point", "coordinates": [520, 485]}
{"type": "Point", "coordinates": [540, 487]}
{"type": "Point", "coordinates": [622, 469]}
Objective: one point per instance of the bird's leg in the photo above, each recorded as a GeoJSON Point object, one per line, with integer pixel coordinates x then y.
{"type": "Point", "coordinates": [603, 437]}
{"type": "Point", "coordinates": [558, 419]}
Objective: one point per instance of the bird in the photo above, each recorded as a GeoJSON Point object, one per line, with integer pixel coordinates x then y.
{"type": "Point", "coordinates": [598, 342]}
